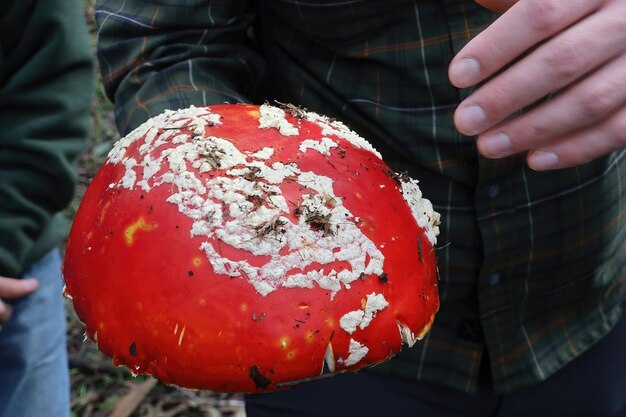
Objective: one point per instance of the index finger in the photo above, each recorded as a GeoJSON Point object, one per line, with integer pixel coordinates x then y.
{"type": "Point", "coordinates": [526, 24]}
{"type": "Point", "coordinates": [15, 288]}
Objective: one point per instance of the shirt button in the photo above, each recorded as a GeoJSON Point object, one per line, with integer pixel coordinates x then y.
{"type": "Point", "coordinates": [493, 191]}
{"type": "Point", "coordinates": [494, 279]}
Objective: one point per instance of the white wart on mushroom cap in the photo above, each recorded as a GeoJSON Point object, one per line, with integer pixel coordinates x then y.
{"type": "Point", "coordinates": [227, 207]}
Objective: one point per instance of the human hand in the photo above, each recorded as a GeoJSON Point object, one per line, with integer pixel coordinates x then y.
{"type": "Point", "coordinates": [571, 51]}
{"type": "Point", "coordinates": [14, 288]}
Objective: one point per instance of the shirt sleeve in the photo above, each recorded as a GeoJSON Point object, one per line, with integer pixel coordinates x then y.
{"type": "Point", "coordinates": [155, 56]}
{"type": "Point", "coordinates": [46, 83]}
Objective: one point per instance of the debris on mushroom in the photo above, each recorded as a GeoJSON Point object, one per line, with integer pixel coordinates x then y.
{"type": "Point", "coordinates": [250, 248]}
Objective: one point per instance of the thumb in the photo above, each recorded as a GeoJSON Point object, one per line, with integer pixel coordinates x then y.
{"type": "Point", "coordinates": [16, 288]}
{"type": "Point", "coordinates": [499, 6]}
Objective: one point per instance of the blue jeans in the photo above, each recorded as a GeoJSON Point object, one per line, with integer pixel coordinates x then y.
{"type": "Point", "coordinates": [34, 377]}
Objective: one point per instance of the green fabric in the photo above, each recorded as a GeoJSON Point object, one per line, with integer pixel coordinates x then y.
{"type": "Point", "coordinates": [46, 79]}
{"type": "Point", "coordinates": [532, 265]}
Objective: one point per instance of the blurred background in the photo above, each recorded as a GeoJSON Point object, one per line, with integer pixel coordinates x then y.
{"type": "Point", "coordinates": [100, 389]}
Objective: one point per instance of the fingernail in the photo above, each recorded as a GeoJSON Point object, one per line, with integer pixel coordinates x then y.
{"type": "Point", "coordinates": [464, 72]}
{"type": "Point", "coordinates": [495, 146]}
{"type": "Point", "coordinates": [30, 284]}
{"type": "Point", "coordinates": [543, 160]}
{"type": "Point", "coordinates": [470, 119]}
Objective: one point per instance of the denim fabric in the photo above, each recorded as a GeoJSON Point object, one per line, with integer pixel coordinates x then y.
{"type": "Point", "coordinates": [34, 377]}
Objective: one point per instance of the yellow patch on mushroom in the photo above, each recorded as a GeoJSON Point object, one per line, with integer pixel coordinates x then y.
{"type": "Point", "coordinates": [310, 336]}
{"type": "Point", "coordinates": [182, 334]}
{"type": "Point", "coordinates": [284, 341]}
{"type": "Point", "coordinates": [103, 212]}
{"type": "Point", "coordinates": [140, 224]}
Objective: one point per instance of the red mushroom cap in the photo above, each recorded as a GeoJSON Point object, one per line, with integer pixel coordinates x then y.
{"type": "Point", "coordinates": [499, 6]}
{"type": "Point", "coordinates": [247, 248]}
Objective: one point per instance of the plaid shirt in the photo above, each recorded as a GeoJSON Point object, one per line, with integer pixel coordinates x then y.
{"type": "Point", "coordinates": [533, 264]}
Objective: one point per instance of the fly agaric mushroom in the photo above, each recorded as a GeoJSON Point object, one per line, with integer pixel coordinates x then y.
{"type": "Point", "coordinates": [246, 248]}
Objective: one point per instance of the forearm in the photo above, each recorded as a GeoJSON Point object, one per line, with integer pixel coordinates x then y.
{"type": "Point", "coordinates": [45, 92]}
{"type": "Point", "coordinates": [168, 57]}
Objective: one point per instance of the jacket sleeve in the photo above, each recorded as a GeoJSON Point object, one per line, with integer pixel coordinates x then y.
{"type": "Point", "coordinates": [169, 55]}
{"type": "Point", "coordinates": [46, 80]}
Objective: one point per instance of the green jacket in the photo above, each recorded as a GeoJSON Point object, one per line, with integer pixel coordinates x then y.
{"type": "Point", "coordinates": [46, 80]}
